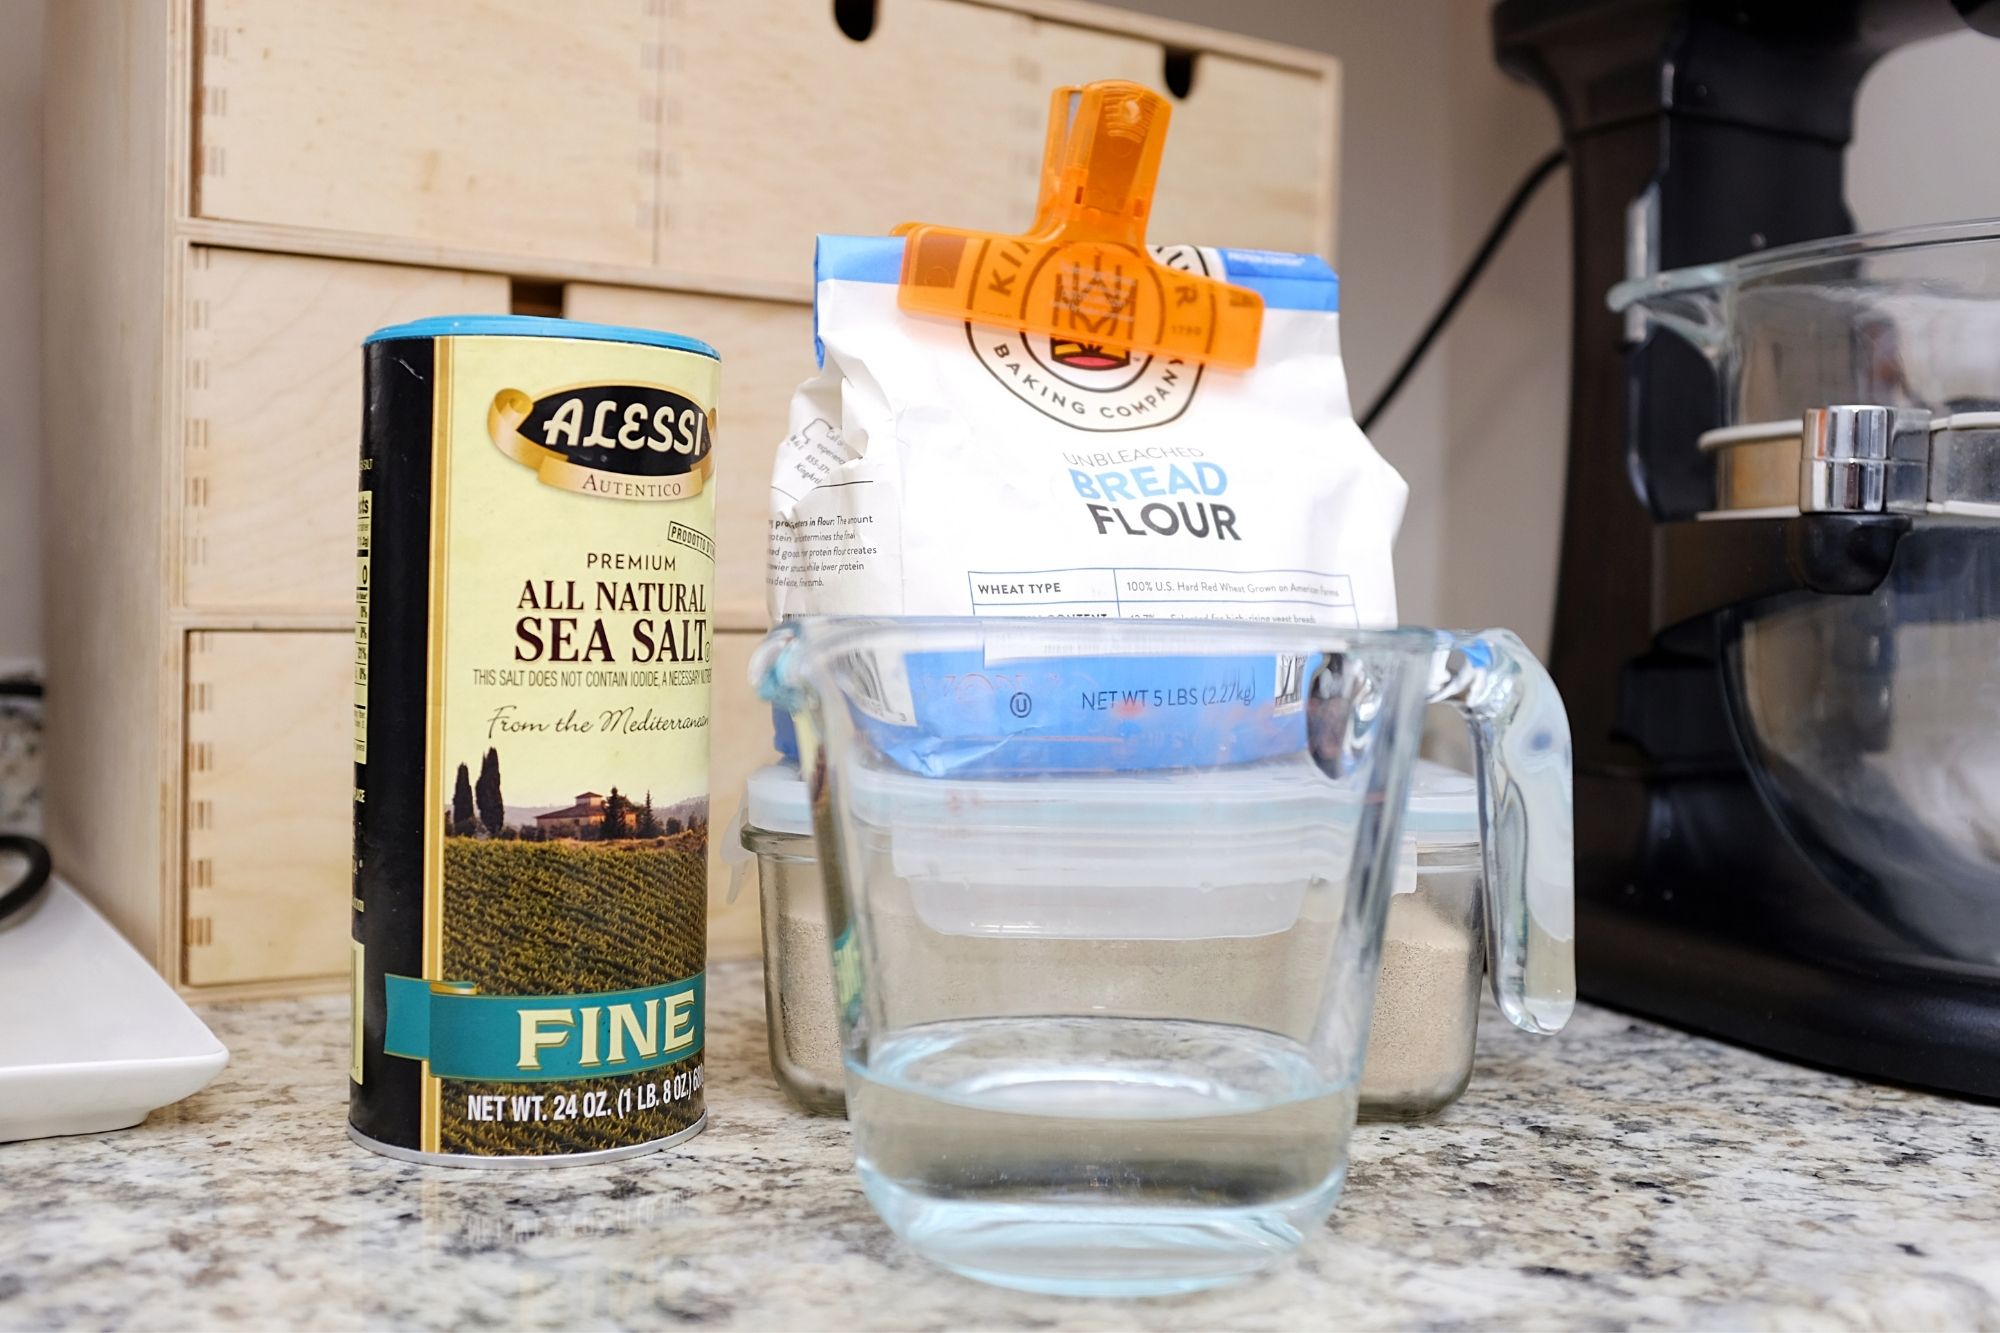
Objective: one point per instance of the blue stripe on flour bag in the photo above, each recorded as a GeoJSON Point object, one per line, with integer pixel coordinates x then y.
{"type": "Point", "coordinates": [1286, 281]}
{"type": "Point", "coordinates": [982, 718]}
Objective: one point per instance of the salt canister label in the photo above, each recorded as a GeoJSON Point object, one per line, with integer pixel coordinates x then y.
{"type": "Point", "coordinates": [535, 567]}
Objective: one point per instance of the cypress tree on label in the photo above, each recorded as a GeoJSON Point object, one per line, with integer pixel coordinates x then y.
{"type": "Point", "coordinates": [492, 809]}
{"type": "Point", "coordinates": [461, 801]}
{"type": "Point", "coordinates": [615, 823]}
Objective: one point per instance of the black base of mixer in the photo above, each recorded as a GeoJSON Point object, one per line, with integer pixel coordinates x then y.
{"type": "Point", "coordinates": [1720, 926]}
{"type": "Point", "coordinates": [1930, 1025]}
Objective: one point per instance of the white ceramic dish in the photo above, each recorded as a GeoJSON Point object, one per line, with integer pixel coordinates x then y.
{"type": "Point", "coordinates": [107, 1041]}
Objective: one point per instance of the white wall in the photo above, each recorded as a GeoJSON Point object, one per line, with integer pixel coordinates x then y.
{"type": "Point", "coordinates": [1505, 375]}
{"type": "Point", "coordinates": [1926, 140]}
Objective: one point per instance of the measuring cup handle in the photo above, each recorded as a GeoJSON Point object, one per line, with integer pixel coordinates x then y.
{"type": "Point", "coordinates": [1520, 733]}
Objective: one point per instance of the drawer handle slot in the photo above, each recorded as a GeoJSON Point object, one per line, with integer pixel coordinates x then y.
{"type": "Point", "coordinates": [856, 18]}
{"type": "Point", "coordinates": [531, 296]}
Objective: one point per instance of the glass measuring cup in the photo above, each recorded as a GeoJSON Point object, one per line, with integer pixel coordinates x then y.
{"type": "Point", "coordinates": [1037, 1100]}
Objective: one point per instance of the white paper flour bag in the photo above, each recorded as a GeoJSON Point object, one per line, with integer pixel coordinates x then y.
{"type": "Point", "coordinates": [935, 467]}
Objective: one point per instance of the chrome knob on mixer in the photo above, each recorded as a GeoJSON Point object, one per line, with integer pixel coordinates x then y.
{"type": "Point", "coordinates": [1859, 458]}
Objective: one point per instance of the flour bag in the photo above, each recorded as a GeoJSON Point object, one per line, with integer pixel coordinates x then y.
{"type": "Point", "coordinates": [950, 469]}
{"type": "Point", "coordinates": [1072, 423]}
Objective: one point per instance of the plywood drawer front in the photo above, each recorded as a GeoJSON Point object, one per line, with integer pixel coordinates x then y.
{"type": "Point", "coordinates": [767, 350]}
{"type": "Point", "coordinates": [272, 353]}
{"type": "Point", "coordinates": [739, 744]}
{"type": "Point", "coordinates": [511, 125]}
{"type": "Point", "coordinates": [778, 126]}
{"type": "Point", "coordinates": [1249, 158]}
{"type": "Point", "coordinates": [269, 789]}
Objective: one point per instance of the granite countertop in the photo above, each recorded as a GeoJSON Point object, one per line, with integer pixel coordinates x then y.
{"type": "Point", "coordinates": [1620, 1174]}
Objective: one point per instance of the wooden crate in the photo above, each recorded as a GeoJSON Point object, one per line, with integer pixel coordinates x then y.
{"type": "Point", "coordinates": [239, 190]}
{"type": "Point", "coordinates": [507, 125]}
{"type": "Point", "coordinates": [272, 397]}
{"type": "Point", "coordinates": [269, 750]}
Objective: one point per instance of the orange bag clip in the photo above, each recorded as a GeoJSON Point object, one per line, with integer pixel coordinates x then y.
{"type": "Point", "coordinates": [1081, 274]}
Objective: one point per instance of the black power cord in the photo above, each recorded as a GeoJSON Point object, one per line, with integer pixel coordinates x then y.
{"type": "Point", "coordinates": [1494, 236]}
{"type": "Point", "coordinates": [36, 874]}
{"type": "Point", "coordinates": [15, 897]}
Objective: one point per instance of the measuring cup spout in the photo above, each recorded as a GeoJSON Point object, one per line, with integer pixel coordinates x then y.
{"type": "Point", "coordinates": [1520, 734]}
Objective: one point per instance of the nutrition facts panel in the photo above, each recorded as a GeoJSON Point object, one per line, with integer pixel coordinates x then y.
{"type": "Point", "coordinates": [1307, 596]}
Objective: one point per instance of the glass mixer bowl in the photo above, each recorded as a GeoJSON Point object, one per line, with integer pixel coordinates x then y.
{"type": "Point", "coordinates": [1860, 375]}
{"type": "Point", "coordinates": [1903, 318]}
{"type": "Point", "coordinates": [1873, 723]}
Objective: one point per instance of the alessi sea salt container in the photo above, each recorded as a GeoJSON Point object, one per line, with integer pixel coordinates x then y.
{"type": "Point", "coordinates": [535, 563]}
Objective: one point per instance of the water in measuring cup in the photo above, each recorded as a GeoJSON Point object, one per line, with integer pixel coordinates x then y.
{"type": "Point", "coordinates": [1094, 1155]}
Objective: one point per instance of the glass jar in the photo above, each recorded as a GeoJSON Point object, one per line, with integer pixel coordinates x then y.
{"type": "Point", "coordinates": [1420, 1042]}
{"type": "Point", "coordinates": [1426, 1020]}
{"type": "Point", "coordinates": [801, 1022]}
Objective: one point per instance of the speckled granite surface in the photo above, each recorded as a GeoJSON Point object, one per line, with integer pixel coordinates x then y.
{"type": "Point", "coordinates": [1620, 1174]}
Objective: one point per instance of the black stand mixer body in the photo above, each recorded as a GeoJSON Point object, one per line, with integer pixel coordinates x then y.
{"type": "Point", "coordinates": [1697, 132]}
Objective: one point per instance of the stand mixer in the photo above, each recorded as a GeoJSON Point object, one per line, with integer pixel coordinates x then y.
{"type": "Point", "coordinates": [1778, 612]}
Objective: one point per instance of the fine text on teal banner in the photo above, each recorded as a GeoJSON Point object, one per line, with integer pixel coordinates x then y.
{"type": "Point", "coordinates": [536, 1038]}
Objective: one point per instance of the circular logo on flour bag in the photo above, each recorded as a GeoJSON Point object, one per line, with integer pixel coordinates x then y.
{"type": "Point", "coordinates": [1078, 380]}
